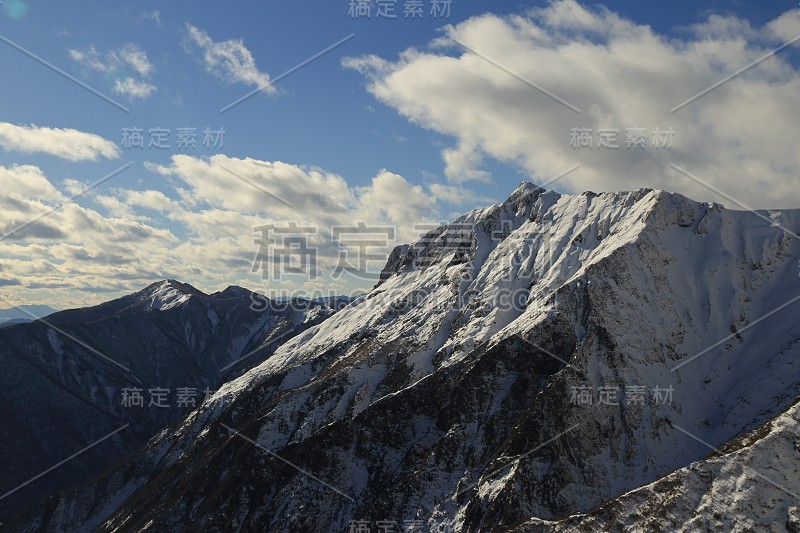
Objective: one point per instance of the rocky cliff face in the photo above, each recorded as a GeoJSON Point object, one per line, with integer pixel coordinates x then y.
{"type": "Point", "coordinates": [71, 379]}
{"type": "Point", "coordinates": [530, 361]}
{"type": "Point", "coordinates": [749, 484]}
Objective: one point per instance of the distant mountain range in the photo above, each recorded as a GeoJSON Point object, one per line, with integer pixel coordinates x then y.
{"type": "Point", "coordinates": [73, 377]}
{"type": "Point", "coordinates": [24, 313]}
{"type": "Point", "coordinates": [616, 361]}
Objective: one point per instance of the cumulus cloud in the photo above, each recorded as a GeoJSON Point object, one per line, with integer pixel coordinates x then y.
{"type": "Point", "coordinates": [69, 144]}
{"type": "Point", "coordinates": [33, 209]}
{"type": "Point", "coordinates": [133, 89]}
{"type": "Point", "coordinates": [128, 55]}
{"type": "Point", "coordinates": [129, 66]}
{"type": "Point", "coordinates": [149, 199]}
{"type": "Point", "coordinates": [490, 97]}
{"type": "Point", "coordinates": [458, 195]}
{"type": "Point", "coordinates": [463, 164]}
{"type": "Point", "coordinates": [285, 191]}
{"type": "Point", "coordinates": [58, 248]}
{"type": "Point", "coordinates": [227, 60]}
{"type": "Point", "coordinates": [201, 228]}
{"type": "Point", "coordinates": [26, 182]}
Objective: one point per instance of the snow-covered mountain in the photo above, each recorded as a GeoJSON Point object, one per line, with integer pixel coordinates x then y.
{"type": "Point", "coordinates": [528, 362]}
{"type": "Point", "coordinates": [744, 486]}
{"type": "Point", "coordinates": [72, 378]}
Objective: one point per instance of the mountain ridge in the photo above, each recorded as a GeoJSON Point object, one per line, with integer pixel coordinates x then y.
{"type": "Point", "coordinates": [432, 398]}
{"type": "Point", "coordinates": [84, 363]}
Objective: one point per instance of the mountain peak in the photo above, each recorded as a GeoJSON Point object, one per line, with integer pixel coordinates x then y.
{"type": "Point", "coordinates": [525, 186]}
{"type": "Point", "coordinates": [167, 284]}
{"type": "Point", "coordinates": [168, 293]}
{"type": "Point", "coordinates": [232, 291]}
{"type": "Point", "coordinates": [525, 191]}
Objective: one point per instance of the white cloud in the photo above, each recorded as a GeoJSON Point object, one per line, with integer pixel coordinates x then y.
{"type": "Point", "coordinates": [136, 58]}
{"type": "Point", "coordinates": [28, 182]}
{"type": "Point", "coordinates": [73, 247]}
{"type": "Point", "coordinates": [89, 58]}
{"type": "Point", "coordinates": [73, 186]}
{"type": "Point", "coordinates": [458, 195]}
{"type": "Point", "coordinates": [128, 55]}
{"type": "Point", "coordinates": [117, 208]}
{"type": "Point", "coordinates": [220, 209]}
{"type": "Point", "coordinates": [289, 192]}
{"type": "Point", "coordinates": [463, 164]}
{"type": "Point", "coordinates": [228, 60]}
{"type": "Point", "coordinates": [155, 200]}
{"type": "Point", "coordinates": [69, 144]}
{"type": "Point", "coordinates": [785, 27]}
{"type": "Point", "coordinates": [392, 199]}
{"type": "Point", "coordinates": [133, 89]}
{"type": "Point", "coordinates": [201, 231]}
{"type": "Point", "coordinates": [739, 137]}
{"type": "Point", "coordinates": [128, 65]}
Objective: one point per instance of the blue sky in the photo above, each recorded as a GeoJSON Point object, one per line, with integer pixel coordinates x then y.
{"type": "Point", "coordinates": [380, 119]}
{"type": "Point", "coordinates": [322, 116]}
